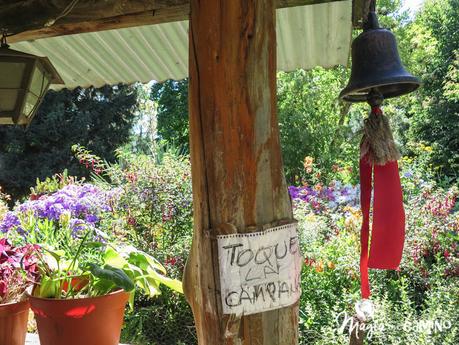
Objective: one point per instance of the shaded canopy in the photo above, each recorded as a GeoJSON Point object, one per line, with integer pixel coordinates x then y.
{"type": "Point", "coordinates": [108, 42]}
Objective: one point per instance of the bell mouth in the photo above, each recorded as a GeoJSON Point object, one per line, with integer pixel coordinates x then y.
{"type": "Point", "coordinates": [356, 93]}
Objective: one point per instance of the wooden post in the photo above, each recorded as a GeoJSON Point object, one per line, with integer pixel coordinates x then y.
{"type": "Point", "coordinates": [238, 181]}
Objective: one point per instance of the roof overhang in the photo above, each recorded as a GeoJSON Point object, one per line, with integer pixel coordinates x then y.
{"type": "Point", "coordinates": [34, 19]}
{"type": "Point", "coordinates": [113, 41]}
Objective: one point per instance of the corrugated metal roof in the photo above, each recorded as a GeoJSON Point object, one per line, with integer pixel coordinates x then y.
{"type": "Point", "coordinates": [307, 36]}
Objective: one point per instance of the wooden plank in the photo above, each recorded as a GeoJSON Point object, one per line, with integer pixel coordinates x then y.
{"type": "Point", "coordinates": [28, 19]}
{"type": "Point", "coordinates": [360, 9]}
{"type": "Point", "coordinates": [164, 15]}
{"type": "Point", "coordinates": [238, 182]}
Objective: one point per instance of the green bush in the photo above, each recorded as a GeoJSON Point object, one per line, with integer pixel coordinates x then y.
{"type": "Point", "coordinates": [312, 122]}
{"type": "Point", "coordinates": [409, 301]}
{"type": "Point", "coordinates": [154, 212]}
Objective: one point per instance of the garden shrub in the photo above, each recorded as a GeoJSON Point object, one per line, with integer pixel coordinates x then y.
{"type": "Point", "coordinates": [100, 118]}
{"type": "Point", "coordinates": [154, 211]}
{"type": "Point", "coordinates": [417, 304]}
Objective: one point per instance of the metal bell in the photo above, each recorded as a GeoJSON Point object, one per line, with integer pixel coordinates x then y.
{"type": "Point", "coordinates": [376, 66]}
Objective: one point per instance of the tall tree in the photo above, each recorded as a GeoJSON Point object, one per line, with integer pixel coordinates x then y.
{"type": "Point", "coordinates": [435, 119]}
{"type": "Point", "coordinates": [100, 119]}
{"type": "Point", "coordinates": [313, 122]}
{"type": "Point", "coordinates": [172, 106]}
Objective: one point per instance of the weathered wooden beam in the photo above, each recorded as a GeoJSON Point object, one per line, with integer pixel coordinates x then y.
{"type": "Point", "coordinates": [30, 20]}
{"type": "Point", "coordinates": [360, 9]}
{"type": "Point", "coordinates": [163, 15]}
{"type": "Point", "coordinates": [237, 172]}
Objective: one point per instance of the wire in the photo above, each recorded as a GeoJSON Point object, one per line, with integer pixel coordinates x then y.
{"type": "Point", "coordinates": [65, 12]}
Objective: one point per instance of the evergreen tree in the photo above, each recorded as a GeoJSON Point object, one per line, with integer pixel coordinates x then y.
{"type": "Point", "coordinates": [99, 119]}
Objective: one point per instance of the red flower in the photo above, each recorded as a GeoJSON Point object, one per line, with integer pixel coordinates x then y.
{"type": "Point", "coordinates": [171, 261]}
{"type": "Point", "coordinates": [446, 254]}
{"type": "Point", "coordinates": [132, 221]}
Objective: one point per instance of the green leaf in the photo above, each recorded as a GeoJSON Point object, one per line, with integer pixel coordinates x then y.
{"type": "Point", "coordinates": [116, 275]}
{"type": "Point", "coordinates": [113, 258]}
{"type": "Point", "coordinates": [93, 244]}
{"type": "Point", "coordinates": [174, 284]}
{"type": "Point", "coordinates": [145, 261]}
{"type": "Point", "coordinates": [48, 288]}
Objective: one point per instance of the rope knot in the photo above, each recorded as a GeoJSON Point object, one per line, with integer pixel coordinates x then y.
{"type": "Point", "coordinates": [376, 110]}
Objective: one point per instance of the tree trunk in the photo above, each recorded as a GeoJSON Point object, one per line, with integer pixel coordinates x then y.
{"type": "Point", "coordinates": [238, 181]}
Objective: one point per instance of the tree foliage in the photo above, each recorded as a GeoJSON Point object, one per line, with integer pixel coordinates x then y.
{"type": "Point", "coordinates": [100, 119]}
{"type": "Point", "coordinates": [172, 110]}
{"type": "Point", "coordinates": [435, 119]}
{"type": "Point", "coordinates": [313, 122]}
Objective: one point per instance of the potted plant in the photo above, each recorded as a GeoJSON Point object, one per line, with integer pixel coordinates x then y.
{"type": "Point", "coordinates": [82, 300]}
{"type": "Point", "coordinates": [17, 272]}
{"type": "Point", "coordinates": [85, 275]}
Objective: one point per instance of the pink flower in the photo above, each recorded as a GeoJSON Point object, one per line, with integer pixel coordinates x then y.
{"type": "Point", "coordinates": [446, 254]}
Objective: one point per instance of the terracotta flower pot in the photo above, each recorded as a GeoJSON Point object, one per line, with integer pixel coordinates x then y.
{"type": "Point", "coordinates": [13, 323]}
{"type": "Point", "coordinates": [88, 321]}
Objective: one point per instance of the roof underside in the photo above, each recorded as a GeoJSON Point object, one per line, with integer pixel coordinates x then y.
{"type": "Point", "coordinates": [307, 36]}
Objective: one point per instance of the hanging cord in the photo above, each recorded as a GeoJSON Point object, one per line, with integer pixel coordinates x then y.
{"type": "Point", "coordinates": [373, 6]}
{"type": "Point", "coordinates": [65, 12]}
{"type": "Point", "coordinates": [372, 21]}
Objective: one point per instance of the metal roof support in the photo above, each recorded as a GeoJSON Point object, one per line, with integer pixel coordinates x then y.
{"type": "Point", "coordinates": [238, 182]}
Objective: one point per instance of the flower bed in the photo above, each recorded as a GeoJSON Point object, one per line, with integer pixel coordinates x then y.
{"type": "Point", "coordinates": [79, 266]}
{"type": "Point", "coordinates": [149, 203]}
{"type": "Point", "coordinates": [424, 292]}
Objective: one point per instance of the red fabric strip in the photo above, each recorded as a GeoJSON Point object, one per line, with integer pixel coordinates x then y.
{"type": "Point", "coordinates": [365, 200]}
{"type": "Point", "coordinates": [388, 228]}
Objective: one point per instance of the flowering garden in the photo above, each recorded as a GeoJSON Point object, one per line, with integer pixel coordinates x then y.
{"type": "Point", "coordinates": [144, 202]}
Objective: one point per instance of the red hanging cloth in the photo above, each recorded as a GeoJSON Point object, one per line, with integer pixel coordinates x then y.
{"type": "Point", "coordinates": [388, 228]}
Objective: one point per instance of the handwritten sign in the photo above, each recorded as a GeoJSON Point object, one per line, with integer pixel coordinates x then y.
{"type": "Point", "coordinates": [259, 271]}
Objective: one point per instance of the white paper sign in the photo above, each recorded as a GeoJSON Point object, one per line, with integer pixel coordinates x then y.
{"type": "Point", "coordinates": [259, 271]}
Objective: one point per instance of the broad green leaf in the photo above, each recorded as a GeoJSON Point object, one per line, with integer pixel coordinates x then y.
{"type": "Point", "coordinates": [145, 261]}
{"type": "Point", "coordinates": [174, 284]}
{"type": "Point", "coordinates": [48, 288]}
{"type": "Point", "coordinates": [113, 258]}
{"type": "Point", "coordinates": [116, 275]}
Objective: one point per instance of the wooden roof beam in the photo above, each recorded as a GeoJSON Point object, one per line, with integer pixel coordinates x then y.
{"type": "Point", "coordinates": [31, 19]}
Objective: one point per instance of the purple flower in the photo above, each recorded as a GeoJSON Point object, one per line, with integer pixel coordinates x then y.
{"type": "Point", "coordinates": [54, 211]}
{"type": "Point", "coordinates": [77, 225]}
{"type": "Point", "coordinates": [92, 218]}
{"type": "Point", "coordinates": [293, 191]}
{"type": "Point", "coordinates": [408, 174]}
{"type": "Point", "coordinates": [9, 221]}
{"type": "Point", "coordinates": [335, 195]}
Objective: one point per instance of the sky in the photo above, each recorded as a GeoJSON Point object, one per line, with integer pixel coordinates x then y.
{"type": "Point", "coordinates": [412, 5]}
